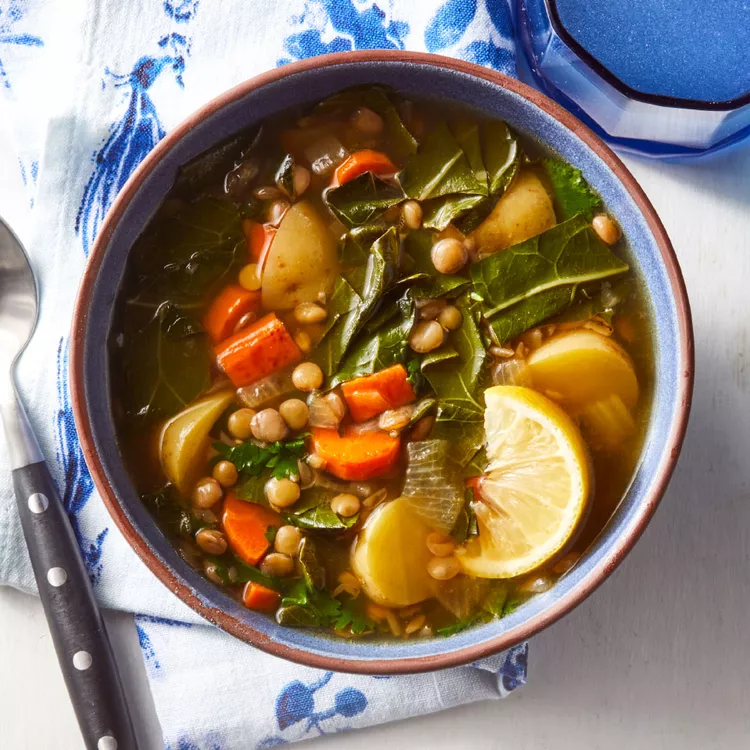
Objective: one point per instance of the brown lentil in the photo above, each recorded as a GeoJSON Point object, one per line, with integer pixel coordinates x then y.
{"type": "Point", "coordinates": [240, 423]}
{"type": "Point", "coordinates": [211, 541]}
{"type": "Point", "coordinates": [207, 493]}
{"type": "Point", "coordinates": [225, 473]}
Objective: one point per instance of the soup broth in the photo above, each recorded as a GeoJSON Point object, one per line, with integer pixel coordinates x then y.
{"type": "Point", "coordinates": [381, 367]}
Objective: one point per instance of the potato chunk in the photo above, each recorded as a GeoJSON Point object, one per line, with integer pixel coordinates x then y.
{"type": "Point", "coordinates": [524, 211]}
{"type": "Point", "coordinates": [184, 442]}
{"type": "Point", "coordinates": [390, 556]}
{"type": "Point", "coordinates": [582, 368]}
{"type": "Point", "coordinates": [302, 260]}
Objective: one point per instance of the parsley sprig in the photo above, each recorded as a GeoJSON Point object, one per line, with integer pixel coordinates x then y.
{"type": "Point", "coordinates": [321, 609]}
{"type": "Point", "coordinates": [252, 459]}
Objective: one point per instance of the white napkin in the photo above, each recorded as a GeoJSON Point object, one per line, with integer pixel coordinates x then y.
{"type": "Point", "coordinates": [86, 90]}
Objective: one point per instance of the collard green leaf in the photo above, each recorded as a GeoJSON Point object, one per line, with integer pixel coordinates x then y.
{"type": "Point", "coordinates": [462, 596]}
{"type": "Point", "coordinates": [439, 168]}
{"type": "Point", "coordinates": [313, 511]}
{"type": "Point", "coordinates": [377, 99]}
{"type": "Point", "coordinates": [166, 364]}
{"type": "Point", "coordinates": [243, 572]}
{"type": "Point", "coordinates": [186, 255]}
{"type": "Point", "coordinates": [600, 301]}
{"type": "Point", "coordinates": [321, 518]}
{"type": "Point", "coordinates": [362, 200]}
{"type": "Point", "coordinates": [469, 221]}
{"type": "Point", "coordinates": [209, 167]}
{"type": "Point", "coordinates": [312, 571]}
{"type": "Point", "coordinates": [380, 272]}
{"type": "Point", "coordinates": [459, 391]}
{"type": "Point", "coordinates": [359, 297]}
{"type": "Point", "coordinates": [422, 409]}
{"type": "Point", "coordinates": [355, 246]}
{"type": "Point", "coordinates": [284, 177]}
{"type": "Point", "coordinates": [270, 534]}
{"type": "Point", "coordinates": [458, 386]}
{"type": "Point", "coordinates": [465, 434]}
{"type": "Point", "coordinates": [253, 490]}
{"type": "Point", "coordinates": [439, 355]}
{"type": "Point", "coordinates": [501, 155]}
{"type": "Point", "coordinates": [568, 253]}
{"type": "Point", "coordinates": [572, 194]}
{"type": "Point", "coordinates": [342, 325]}
{"type": "Point", "coordinates": [164, 504]}
{"type": "Point", "coordinates": [417, 249]}
{"type": "Point", "coordinates": [440, 212]}
{"type": "Point", "coordinates": [380, 349]}
{"type": "Point", "coordinates": [530, 312]}
{"type": "Point", "coordinates": [478, 463]}
{"type": "Point", "coordinates": [467, 135]}
{"type": "Point", "coordinates": [494, 603]}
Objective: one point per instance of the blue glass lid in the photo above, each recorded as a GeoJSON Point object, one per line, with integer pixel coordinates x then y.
{"type": "Point", "coordinates": [694, 50]}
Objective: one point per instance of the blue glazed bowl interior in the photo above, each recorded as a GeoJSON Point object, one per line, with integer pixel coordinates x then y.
{"type": "Point", "coordinates": [307, 87]}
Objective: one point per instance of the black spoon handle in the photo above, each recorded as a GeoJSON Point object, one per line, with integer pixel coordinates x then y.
{"type": "Point", "coordinates": [76, 624]}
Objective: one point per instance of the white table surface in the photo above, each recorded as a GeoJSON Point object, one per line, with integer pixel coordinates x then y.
{"type": "Point", "coordinates": [659, 657]}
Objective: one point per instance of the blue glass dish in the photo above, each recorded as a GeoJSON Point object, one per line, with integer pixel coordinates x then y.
{"type": "Point", "coordinates": [661, 78]}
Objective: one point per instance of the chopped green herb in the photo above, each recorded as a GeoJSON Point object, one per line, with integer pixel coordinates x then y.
{"type": "Point", "coordinates": [458, 626]}
{"type": "Point", "coordinates": [252, 459]}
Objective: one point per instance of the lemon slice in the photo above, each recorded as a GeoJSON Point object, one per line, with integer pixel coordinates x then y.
{"type": "Point", "coordinates": [535, 491]}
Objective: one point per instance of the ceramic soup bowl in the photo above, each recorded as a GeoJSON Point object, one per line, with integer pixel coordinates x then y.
{"type": "Point", "coordinates": [487, 92]}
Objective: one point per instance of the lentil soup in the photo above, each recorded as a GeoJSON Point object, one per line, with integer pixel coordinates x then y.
{"type": "Point", "coordinates": [381, 367]}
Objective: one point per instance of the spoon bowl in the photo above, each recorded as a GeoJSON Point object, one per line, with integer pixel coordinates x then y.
{"type": "Point", "coordinates": [18, 297]}
{"type": "Point", "coordinates": [75, 622]}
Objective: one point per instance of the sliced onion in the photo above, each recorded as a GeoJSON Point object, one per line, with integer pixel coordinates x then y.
{"type": "Point", "coordinates": [266, 389]}
{"type": "Point", "coordinates": [433, 486]}
{"type": "Point", "coordinates": [306, 475]}
{"type": "Point", "coordinates": [324, 412]}
{"type": "Point", "coordinates": [363, 428]}
{"type": "Point", "coordinates": [536, 585]}
{"type": "Point", "coordinates": [512, 372]}
{"type": "Point", "coordinates": [462, 596]}
{"type": "Point", "coordinates": [325, 154]}
{"type": "Point", "coordinates": [599, 325]}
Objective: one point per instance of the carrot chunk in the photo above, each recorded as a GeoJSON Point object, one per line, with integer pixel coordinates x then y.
{"type": "Point", "coordinates": [260, 349]}
{"type": "Point", "coordinates": [245, 525]}
{"type": "Point", "coordinates": [223, 314]}
{"type": "Point", "coordinates": [258, 238]}
{"type": "Point", "coordinates": [356, 456]}
{"type": "Point", "coordinates": [373, 394]}
{"type": "Point", "coordinates": [364, 161]}
{"type": "Point", "coordinates": [261, 598]}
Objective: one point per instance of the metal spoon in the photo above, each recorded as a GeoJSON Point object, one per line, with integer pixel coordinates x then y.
{"type": "Point", "coordinates": [75, 622]}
